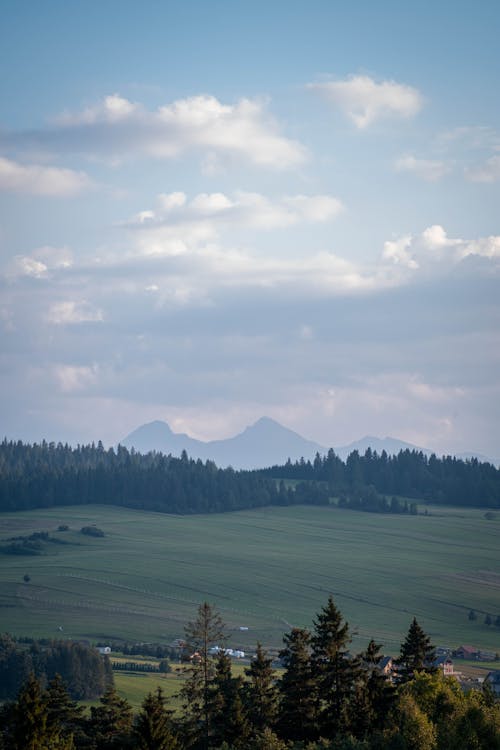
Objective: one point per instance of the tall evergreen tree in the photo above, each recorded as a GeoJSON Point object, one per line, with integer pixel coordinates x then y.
{"type": "Point", "coordinates": [63, 714]}
{"type": "Point", "coordinates": [334, 670]}
{"type": "Point", "coordinates": [374, 694]}
{"type": "Point", "coordinates": [30, 727]}
{"type": "Point", "coordinates": [417, 654]}
{"type": "Point", "coordinates": [229, 723]}
{"type": "Point", "coordinates": [261, 695]}
{"type": "Point", "coordinates": [153, 727]}
{"type": "Point", "coordinates": [111, 722]}
{"type": "Point", "coordinates": [201, 635]}
{"type": "Point", "coordinates": [298, 698]}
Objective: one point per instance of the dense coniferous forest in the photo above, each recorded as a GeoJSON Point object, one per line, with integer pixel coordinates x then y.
{"type": "Point", "coordinates": [86, 673]}
{"type": "Point", "coordinates": [46, 475]}
{"type": "Point", "coordinates": [49, 474]}
{"type": "Point", "coordinates": [324, 697]}
{"type": "Point", "coordinates": [410, 474]}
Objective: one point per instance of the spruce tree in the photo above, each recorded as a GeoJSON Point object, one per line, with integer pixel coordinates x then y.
{"type": "Point", "coordinates": [111, 722]}
{"type": "Point", "coordinates": [229, 723]}
{"type": "Point", "coordinates": [261, 695]}
{"type": "Point", "coordinates": [335, 672]}
{"type": "Point", "coordinates": [298, 701]}
{"type": "Point", "coordinates": [153, 726]}
{"type": "Point", "coordinates": [201, 635]}
{"type": "Point", "coordinates": [63, 713]}
{"type": "Point", "coordinates": [374, 694]}
{"type": "Point", "coordinates": [417, 653]}
{"type": "Point", "coordinates": [30, 728]}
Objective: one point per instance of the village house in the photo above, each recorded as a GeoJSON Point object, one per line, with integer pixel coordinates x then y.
{"type": "Point", "coordinates": [445, 665]}
{"type": "Point", "coordinates": [387, 666]}
{"type": "Point", "coordinates": [466, 652]}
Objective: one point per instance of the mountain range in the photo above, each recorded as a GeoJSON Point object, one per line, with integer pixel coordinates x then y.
{"type": "Point", "coordinates": [262, 444]}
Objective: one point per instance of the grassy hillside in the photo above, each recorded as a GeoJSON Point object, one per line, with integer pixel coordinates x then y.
{"type": "Point", "coordinates": [264, 569]}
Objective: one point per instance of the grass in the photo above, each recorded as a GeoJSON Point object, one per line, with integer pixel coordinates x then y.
{"type": "Point", "coordinates": [135, 686]}
{"type": "Point", "coordinates": [267, 569]}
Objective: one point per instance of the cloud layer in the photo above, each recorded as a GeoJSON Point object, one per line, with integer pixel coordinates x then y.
{"type": "Point", "coordinates": [365, 101]}
{"type": "Point", "coordinates": [37, 179]}
{"type": "Point", "coordinates": [117, 128]}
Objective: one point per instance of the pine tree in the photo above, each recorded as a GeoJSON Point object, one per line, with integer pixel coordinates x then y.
{"type": "Point", "coordinates": [229, 723]}
{"type": "Point", "coordinates": [153, 727]}
{"type": "Point", "coordinates": [201, 635]}
{"type": "Point", "coordinates": [334, 670]}
{"type": "Point", "coordinates": [30, 728]}
{"type": "Point", "coordinates": [63, 714]}
{"type": "Point", "coordinates": [261, 695]}
{"type": "Point", "coordinates": [298, 700]}
{"type": "Point", "coordinates": [417, 653]}
{"type": "Point", "coordinates": [111, 722]}
{"type": "Point", "coordinates": [374, 695]}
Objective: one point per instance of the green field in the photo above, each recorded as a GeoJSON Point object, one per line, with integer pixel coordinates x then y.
{"type": "Point", "coordinates": [266, 570]}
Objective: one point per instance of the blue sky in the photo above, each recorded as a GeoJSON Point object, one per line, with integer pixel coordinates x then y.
{"type": "Point", "coordinates": [214, 211]}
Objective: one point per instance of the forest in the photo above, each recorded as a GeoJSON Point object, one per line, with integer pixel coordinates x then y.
{"type": "Point", "coordinates": [322, 696]}
{"type": "Point", "coordinates": [85, 673]}
{"type": "Point", "coordinates": [49, 474]}
{"type": "Point", "coordinates": [412, 474]}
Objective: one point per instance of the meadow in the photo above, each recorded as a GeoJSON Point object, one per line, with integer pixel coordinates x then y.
{"type": "Point", "coordinates": [266, 570]}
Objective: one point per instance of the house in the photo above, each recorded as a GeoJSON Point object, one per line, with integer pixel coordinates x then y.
{"type": "Point", "coordinates": [466, 652]}
{"type": "Point", "coordinates": [493, 680]}
{"type": "Point", "coordinates": [104, 650]}
{"type": "Point", "coordinates": [387, 666]}
{"type": "Point", "coordinates": [445, 665]}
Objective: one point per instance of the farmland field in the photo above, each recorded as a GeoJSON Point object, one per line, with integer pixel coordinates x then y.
{"type": "Point", "coordinates": [265, 570]}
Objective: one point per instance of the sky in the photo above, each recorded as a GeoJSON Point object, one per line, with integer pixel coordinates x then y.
{"type": "Point", "coordinates": [216, 211]}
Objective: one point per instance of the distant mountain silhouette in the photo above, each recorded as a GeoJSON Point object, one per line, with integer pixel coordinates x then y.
{"type": "Point", "coordinates": [390, 445]}
{"type": "Point", "coordinates": [265, 443]}
{"type": "Point", "coordinates": [262, 444]}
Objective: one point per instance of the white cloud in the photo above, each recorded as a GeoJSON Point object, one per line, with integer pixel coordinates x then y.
{"type": "Point", "coordinates": [365, 101]}
{"type": "Point", "coordinates": [489, 171]}
{"type": "Point", "coordinates": [54, 257]}
{"type": "Point", "coordinates": [426, 169]}
{"type": "Point", "coordinates": [40, 180]}
{"type": "Point", "coordinates": [72, 378]}
{"type": "Point", "coordinates": [117, 129]}
{"type": "Point", "coordinates": [398, 252]}
{"type": "Point", "coordinates": [210, 210]}
{"type": "Point", "coordinates": [433, 249]}
{"type": "Point", "coordinates": [24, 265]}
{"type": "Point", "coordinates": [39, 264]}
{"type": "Point", "coordinates": [113, 108]}
{"type": "Point", "coordinates": [70, 312]}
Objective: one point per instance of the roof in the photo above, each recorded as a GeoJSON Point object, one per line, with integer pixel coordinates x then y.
{"type": "Point", "coordinates": [441, 660]}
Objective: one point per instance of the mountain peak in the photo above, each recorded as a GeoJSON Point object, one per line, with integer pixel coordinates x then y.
{"type": "Point", "coordinates": [265, 423]}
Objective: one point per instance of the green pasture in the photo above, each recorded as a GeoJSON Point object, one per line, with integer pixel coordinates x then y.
{"type": "Point", "coordinates": [135, 686]}
{"type": "Point", "coordinates": [266, 570]}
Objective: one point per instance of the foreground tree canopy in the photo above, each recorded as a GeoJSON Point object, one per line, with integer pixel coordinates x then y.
{"type": "Point", "coordinates": [48, 475]}
{"type": "Point", "coordinates": [324, 698]}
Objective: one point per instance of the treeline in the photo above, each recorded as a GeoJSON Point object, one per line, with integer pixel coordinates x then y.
{"type": "Point", "coordinates": [49, 474]}
{"type": "Point", "coordinates": [86, 673]}
{"type": "Point", "coordinates": [411, 474]}
{"type": "Point", "coordinates": [46, 475]}
{"type": "Point", "coordinates": [141, 666]}
{"type": "Point", "coordinates": [325, 698]}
